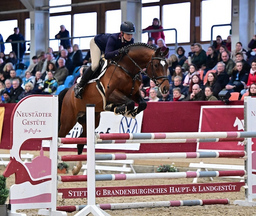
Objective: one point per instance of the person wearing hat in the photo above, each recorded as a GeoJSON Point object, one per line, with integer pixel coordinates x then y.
{"type": "Point", "coordinates": [63, 33]}
{"type": "Point", "coordinates": [6, 97]}
{"type": "Point", "coordinates": [155, 26]}
{"type": "Point", "coordinates": [110, 44]}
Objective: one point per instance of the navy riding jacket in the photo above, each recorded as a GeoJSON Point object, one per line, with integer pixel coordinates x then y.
{"type": "Point", "coordinates": [110, 43]}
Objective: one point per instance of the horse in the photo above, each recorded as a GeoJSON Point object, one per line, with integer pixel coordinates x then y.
{"type": "Point", "coordinates": [117, 90]}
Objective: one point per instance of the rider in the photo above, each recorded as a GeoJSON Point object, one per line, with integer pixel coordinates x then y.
{"type": "Point", "coordinates": [111, 45]}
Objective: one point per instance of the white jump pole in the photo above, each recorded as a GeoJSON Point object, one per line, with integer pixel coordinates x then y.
{"type": "Point", "coordinates": [91, 197]}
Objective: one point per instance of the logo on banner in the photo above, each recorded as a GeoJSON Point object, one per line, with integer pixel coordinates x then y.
{"type": "Point", "coordinates": [128, 125]}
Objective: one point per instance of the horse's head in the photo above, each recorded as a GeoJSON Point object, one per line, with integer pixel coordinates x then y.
{"type": "Point", "coordinates": [157, 70]}
{"type": "Point", "coordinates": [11, 167]}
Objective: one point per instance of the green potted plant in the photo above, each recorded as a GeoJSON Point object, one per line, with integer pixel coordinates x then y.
{"type": "Point", "coordinates": [4, 193]}
{"type": "Point", "coordinates": [62, 167]}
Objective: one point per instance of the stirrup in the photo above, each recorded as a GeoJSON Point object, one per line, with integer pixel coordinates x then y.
{"type": "Point", "coordinates": [78, 91]}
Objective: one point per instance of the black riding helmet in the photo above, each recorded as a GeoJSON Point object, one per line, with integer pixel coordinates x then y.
{"type": "Point", "coordinates": [127, 27]}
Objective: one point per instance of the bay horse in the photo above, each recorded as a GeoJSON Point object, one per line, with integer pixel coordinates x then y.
{"type": "Point", "coordinates": [117, 90]}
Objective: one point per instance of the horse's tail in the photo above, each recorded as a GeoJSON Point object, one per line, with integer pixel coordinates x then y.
{"type": "Point", "coordinates": [60, 99]}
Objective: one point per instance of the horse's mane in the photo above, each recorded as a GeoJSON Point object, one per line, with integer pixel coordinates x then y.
{"type": "Point", "coordinates": [140, 44]}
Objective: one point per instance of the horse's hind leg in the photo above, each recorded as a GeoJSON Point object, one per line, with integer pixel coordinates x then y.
{"type": "Point", "coordinates": [82, 120]}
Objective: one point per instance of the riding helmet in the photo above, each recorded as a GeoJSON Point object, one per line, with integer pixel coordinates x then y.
{"type": "Point", "coordinates": [127, 27]}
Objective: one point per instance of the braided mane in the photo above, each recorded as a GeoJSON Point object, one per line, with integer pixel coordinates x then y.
{"type": "Point", "coordinates": [140, 44]}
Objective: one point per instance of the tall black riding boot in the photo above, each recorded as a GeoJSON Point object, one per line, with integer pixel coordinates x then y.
{"type": "Point", "coordinates": [79, 88]}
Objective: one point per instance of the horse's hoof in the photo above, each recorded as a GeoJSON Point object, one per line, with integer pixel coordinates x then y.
{"type": "Point", "coordinates": [76, 169]}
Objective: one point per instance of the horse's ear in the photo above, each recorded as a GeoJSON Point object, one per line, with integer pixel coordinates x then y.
{"type": "Point", "coordinates": [165, 52]}
{"type": "Point", "coordinates": [157, 52]}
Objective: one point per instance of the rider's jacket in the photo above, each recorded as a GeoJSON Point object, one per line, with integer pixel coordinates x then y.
{"type": "Point", "coordinates": [110, 43]}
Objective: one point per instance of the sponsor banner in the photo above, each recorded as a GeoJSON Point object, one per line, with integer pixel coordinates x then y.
{"type": "Point", "coordinates": [71, 193]}
{"type": "Point", "coordinates": [221, 119]}
{"type": "Point", "coordinates": [2, 110]}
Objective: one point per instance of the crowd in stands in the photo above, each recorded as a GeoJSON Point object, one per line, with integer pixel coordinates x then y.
{"type": "Point", "coordinates": [202, 75]}
{"type": "Point", "coordinates": [198, 76]}
{"type": "Point", "coordinates": [44, 74]}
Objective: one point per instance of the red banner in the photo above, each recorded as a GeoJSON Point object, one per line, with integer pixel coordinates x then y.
{"type": "Point", "coordinates": [221, 118]}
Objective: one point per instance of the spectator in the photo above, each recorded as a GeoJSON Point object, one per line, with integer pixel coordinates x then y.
{"type": "Point", "coordinates": [63, 33]}
{"type": "Point", "coordinates": [155, 26]}
{"type": "Point", "coordinates": [7, 68]}
{"type": "Point", "coordinates": [252, 75]}
{"type": "Point", "coordinates": [32, 67]}
{"type": "Point", "coordinates": [59, 52]}
{"type": "Point", "coordinates": [2, 64]}
{"type": "Point", "coordinates": [252, 90]}
{"type": "Point", "coordinates": [13, 76]}
{"type": "Point", "coordinates": [177, 72]}
{"type": "Point", "coordinates": [87, 58]}
{"type": "Point", "coordinates": [50, 50]}
{"type": "Point", "coordinates": [192, 50]}
{"type": "Point", "coordinates": [177, 83]}
{"type": "Point", "coordinates": [2, 78]}
{"type": "Point", "coordinates": [153, 95]}
{"type": "Point", "coordinates": [238, 80]}
{"type": "Point", "coordinates": [50, 85]}
{"type": "Point", "coordinates": [2, 47]}
{"type": "Point", "coordinates": [151, 42]}
{"type": "Point", "coordinates": [246, 65]}
{"type": "Point", "coordinates": [222, 76]}
{"type": "Point", "coordinates": [143, 94]}
{"type": "Point", "coordinates": [151, 85]}
{"type": "Point", "coordinates": [191, 71]}
{"type": "Point", "coordinates": [165, 97]}
{"type": "Point", "coordinates": [28, 90]}
{"type": "Point", "coordinates": [212, 58]}
{"type": "Point", "coordinates": [8, 85]}
{"type": "Point", "coordinates": [70, 51]}
{"type": "Point", "coordinates": [12, 58]}
{"type": "Point", "coordinates": [28, 79]}
{"type": "Point", "coordinates": [197, 94]}
{"type": "Point", "coordinates": [68, 61]}
{"type": "Point", "coordinates": [228, 43]}
{"type": "Point", "coordinates": [2, 55]}
{"type": "Point", "coordinates": [38, 84]}
{"type": "Point", "coordinates": [195, 80]}
{"type": "Point", "coordinates": [61, 73]}
{"type": "Point", "coordinates": [199, 57]}
{"type": "Point", "coordinates": [172, 63]}
{"type": "Point", "coordinates": [229, 63]}
{"type": "Point", "coordinates": [216, 44]}
{"type": "Point", "coordinates": [239, 49]}
{"type": "Point", "coordinates": [41, 60]}
{"type": "Point", "coordinates": [252, 43]}
{"type": "Point", "coordinates": [221, 50]}
{"type": "Point", "coordinates": [161, 44]}
{"type": "Point", "coordinates": [49, 59]}
{"type": "Point", "coordinates": [211, 82]}
{"type": "Point", "coordinates": [50, 67]}
{"type": "Point", "coordinates": [181, 55]}
{"type": "Point", "coordinates": [209, 94]}
{"type": "Point", "coordinates": [2, 87]}
{"type": "Point", "coordinates": [77, 57]}
{"type": "Point", "coordinates": [6, 97]}
{"type": "Point", "coordinates": [177, 96]}
{"type": "Point", "coordinates": [251, 56]}
{"type": "Point", "coordinates": [16, 91]}
{"type": "Point", "coordinates": [20, 47]}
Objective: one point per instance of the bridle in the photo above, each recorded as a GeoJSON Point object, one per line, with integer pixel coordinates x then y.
{"type": "Point", "coordinates": [143, 71]}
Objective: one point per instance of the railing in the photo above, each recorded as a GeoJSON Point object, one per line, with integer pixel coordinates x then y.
{"type": "Point", "coordinates": [160, 30]}
{"type": "Point", "coordinates": [220, 25]}
{"type": "Point", "coordinates": [55, 47]}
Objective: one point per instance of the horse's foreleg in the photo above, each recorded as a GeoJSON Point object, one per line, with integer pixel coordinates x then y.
{"type": "Point", "coordinates": [142, 105]}
{"type": "Point", "coordinates": [120, 103]}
